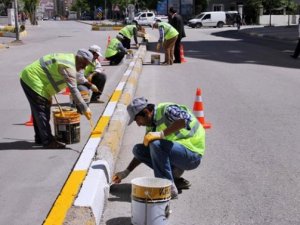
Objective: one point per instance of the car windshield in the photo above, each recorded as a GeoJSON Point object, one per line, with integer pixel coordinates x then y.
{"type": "Point", "coordinates": [137, 14]}
{"type": "Point", "coordinates": [199, 16]}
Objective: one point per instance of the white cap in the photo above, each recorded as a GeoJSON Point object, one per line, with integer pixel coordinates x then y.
{"type": "Point", "coordinates": [96, 49]}
{"type": "Point", "coordinates": [85, 54]}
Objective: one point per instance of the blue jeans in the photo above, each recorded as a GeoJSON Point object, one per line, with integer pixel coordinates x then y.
{"type": "Point", "coordinates": [163, 155]}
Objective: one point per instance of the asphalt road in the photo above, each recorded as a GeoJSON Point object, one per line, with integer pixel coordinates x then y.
{"type": "Point", "coordinates": [250, 174]}
{"type": "Point", "coordinates": [31, 178]}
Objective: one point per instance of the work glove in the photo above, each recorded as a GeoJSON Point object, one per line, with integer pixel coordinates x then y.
{"type": "Point", "coordinates": [151, 136]}
{"type": "Point", "coordinates": [158, 47]}
{"type": "Point", "coordinates": [119, 176]}
{"type": "Point", "coordinates": [94, 88]}
{"type": "Point", "coordinates": [88, 114]}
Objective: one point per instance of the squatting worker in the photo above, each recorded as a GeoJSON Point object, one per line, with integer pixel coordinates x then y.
{"type": "Point", "coordinates": [128, 32]}
{"type": "Point", "coordinates": [167, 37]}
{"type": "Point", "coordinates": [43, 79]}
{"type": "Point", "coordinates": [115, 50]}
{"type": "Point", "coordinates": [92, 77]}
{"type": "Point", "coordinates": [174, 141]}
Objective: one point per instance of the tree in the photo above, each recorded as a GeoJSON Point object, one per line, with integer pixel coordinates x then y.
{"type": "Point", "coordinates": [30, 8]}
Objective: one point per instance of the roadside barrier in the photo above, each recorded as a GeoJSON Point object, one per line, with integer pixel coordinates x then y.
{"type": "Point", "coordinates": [199, 110]}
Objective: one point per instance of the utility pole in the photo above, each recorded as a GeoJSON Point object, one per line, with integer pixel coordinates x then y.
{"type": "Point", "coordinates": [16, 20]}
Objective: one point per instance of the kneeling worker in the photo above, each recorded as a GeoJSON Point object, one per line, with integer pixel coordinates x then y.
{"type": "Point", "coordinates": [174, 141]}
{"type": "Point", "coordinates": [43, 79]}
{"type": "Point", "coordinates": [92, 77]}
{"type": "Point", "coordinates": [115, 51]}
{"type": "Point", "coordinates": [128, 32]}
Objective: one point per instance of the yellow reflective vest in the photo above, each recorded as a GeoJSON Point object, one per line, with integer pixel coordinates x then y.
{"type": "Point", "coordinates": [193, 139]}
{"type": "Point", "coordinates": [169, 30]}
{"type": "Point", "coordinates": [43, 77]}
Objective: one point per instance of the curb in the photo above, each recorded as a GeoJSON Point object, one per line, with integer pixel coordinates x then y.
{"type": "Point", "coordinates": [85, 193]}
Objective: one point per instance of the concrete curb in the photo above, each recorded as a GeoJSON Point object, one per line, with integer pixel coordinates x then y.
{"type": "Point", "coordinates": [89, 204]}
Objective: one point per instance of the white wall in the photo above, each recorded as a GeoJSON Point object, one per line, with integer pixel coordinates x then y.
{"type": "Point", "coordinates": [278, 20]}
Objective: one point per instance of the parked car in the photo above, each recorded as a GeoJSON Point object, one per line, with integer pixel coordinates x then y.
{"type": "Point", "coordinates": [148, 17]}
{"type": "Point", "coordinates": [208, 19]}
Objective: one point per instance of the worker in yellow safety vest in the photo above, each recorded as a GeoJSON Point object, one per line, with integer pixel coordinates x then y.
{"type": "Point", "coordinates": [43, 79]}
{"type": "Point", "coordinates": [115, 51]}
{"type": "Point", "coordinates": [174, 141]}
{"type": "Point", "coordinates": [93, 76]}
{"type": "Point", "coordinates": [128, 32]}
{"type": "Point", "coordinates": [167, 37]}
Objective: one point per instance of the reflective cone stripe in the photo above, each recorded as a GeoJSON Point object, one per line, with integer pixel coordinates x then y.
{"type": "Point", "coordinates": [199, 110]}
{"type": "Point", "coordinates": [30, 122]}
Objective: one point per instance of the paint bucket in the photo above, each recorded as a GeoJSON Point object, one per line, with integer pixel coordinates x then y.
{"type": "Point", "coordinates": [67, 125]}
{"type": "Point", "coordinates": [155, 59]}
{"type": "Point", "coordinates": [150, 201]}
{"type": "Point", "coordinates": [84, 94]}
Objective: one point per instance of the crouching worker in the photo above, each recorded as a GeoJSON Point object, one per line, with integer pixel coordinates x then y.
{"type": "Point", "coordinates": [174, 142]}
{"type": "Point", "coordinates": [115, 51]}
{"type": "Point", "coordinates": [128, 32]}
{"type": "Point", "coordinates": [92, 77]}
{"type": "Point", "coordinates": [43, 79]}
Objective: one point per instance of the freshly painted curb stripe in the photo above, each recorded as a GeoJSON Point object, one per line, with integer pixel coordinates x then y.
{"type": "Point", "coordinates": [72, 186]}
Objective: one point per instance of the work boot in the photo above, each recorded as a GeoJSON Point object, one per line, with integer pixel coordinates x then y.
{"type": "Point", "coordinates": [96, 100]}
{"type": "Point", "coordinates": [182, 183]}
{"type": "Point", "coordinates": [174, 192]}
{"type": "Point", "coordinates": [55, 145]}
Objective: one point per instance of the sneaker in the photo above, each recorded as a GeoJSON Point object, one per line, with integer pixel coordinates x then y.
{"type": "Point", "coordinates": [96, 101]}
{"type": "Point", "coordinates": [182, 183]}
{"type": "Point", "coordinates": [55, 145]}
{"type": "Point", "coordinates": [174, 192]}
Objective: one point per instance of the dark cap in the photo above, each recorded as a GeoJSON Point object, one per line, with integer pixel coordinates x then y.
{"type": "Point", "coordinates": [135, 107]}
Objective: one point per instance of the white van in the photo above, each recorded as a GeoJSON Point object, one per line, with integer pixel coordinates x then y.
{"type": "Point", "coordinates": [208, 19]}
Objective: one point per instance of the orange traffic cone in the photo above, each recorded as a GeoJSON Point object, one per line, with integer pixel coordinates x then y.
{"type": "Point", "coordinates": [182, 60]}
{"type": "Point", "coordinates": [30, 122]}
{"type": "Point", "coordinates": [67, 91]}
{"type": "Point", "coordinates": [199, 111]}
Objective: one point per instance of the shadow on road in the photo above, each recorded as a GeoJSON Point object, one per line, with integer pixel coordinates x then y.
{"type": "Point", "coordinates": [119, 220]}
{"type": "Point", "coordinates": [121, 192]}
{"type": "Point", "coordinates": [240, 48]}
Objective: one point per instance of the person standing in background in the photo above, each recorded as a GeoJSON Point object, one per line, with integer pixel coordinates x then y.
{"type": "Point", "coordinates": [297, 49]}
{"type": "Point", "coordinates": [177, 22]}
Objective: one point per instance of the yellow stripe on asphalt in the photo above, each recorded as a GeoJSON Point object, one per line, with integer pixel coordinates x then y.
{"type": "Point", "coordinates": [66, 198]}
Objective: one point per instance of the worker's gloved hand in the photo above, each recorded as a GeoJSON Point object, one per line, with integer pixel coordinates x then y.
{"type": "Point", "coordinates": [151, 136]}
{"type": "Point", "coordinates": [88, 114]}
{"type": "Point", "coordinates": [94, 88]}
{"type": "Point", "coordinates": [119, 176]}
{"type": "Point", "coordinates": [158, 47]}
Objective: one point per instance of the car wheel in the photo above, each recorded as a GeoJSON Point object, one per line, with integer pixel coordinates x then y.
{"type": "Point", "coordinates": [198, 25]}
{"type": "Point", "coordinates": [220, 24]}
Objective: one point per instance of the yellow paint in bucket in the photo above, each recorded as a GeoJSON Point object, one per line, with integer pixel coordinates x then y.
{"type": "Point", "coordinates": [67, 126]}
{"type": "Point", "coordinates": [155, 59]}
{"type": "Point", "coordinates": [150, 203]}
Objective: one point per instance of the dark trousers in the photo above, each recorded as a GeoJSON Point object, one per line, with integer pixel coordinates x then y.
{"type": "Point", "coordinates": [116, 59]}
{"type": "Point", "coordinates": [177, 51]}
{"type": "Point", "coordinates": [40, 111]}
{"type": "Point", "coordinates": [297, 49]}
{"type": "Point", "coordinates": [126, 42]}
{"type": "Point", "coordinates": [99, 79]}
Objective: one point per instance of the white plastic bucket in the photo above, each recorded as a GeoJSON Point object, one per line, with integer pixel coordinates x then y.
{"type": "Point", "coordinates": [155, 59]}
{"type": "Point", "coordinates": [150, 201]}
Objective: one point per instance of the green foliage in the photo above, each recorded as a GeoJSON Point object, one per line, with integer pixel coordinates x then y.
{"type": "Point", "coordinates": [80, 6]}
{"type": "Point", "coordinates": [30, 7]}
